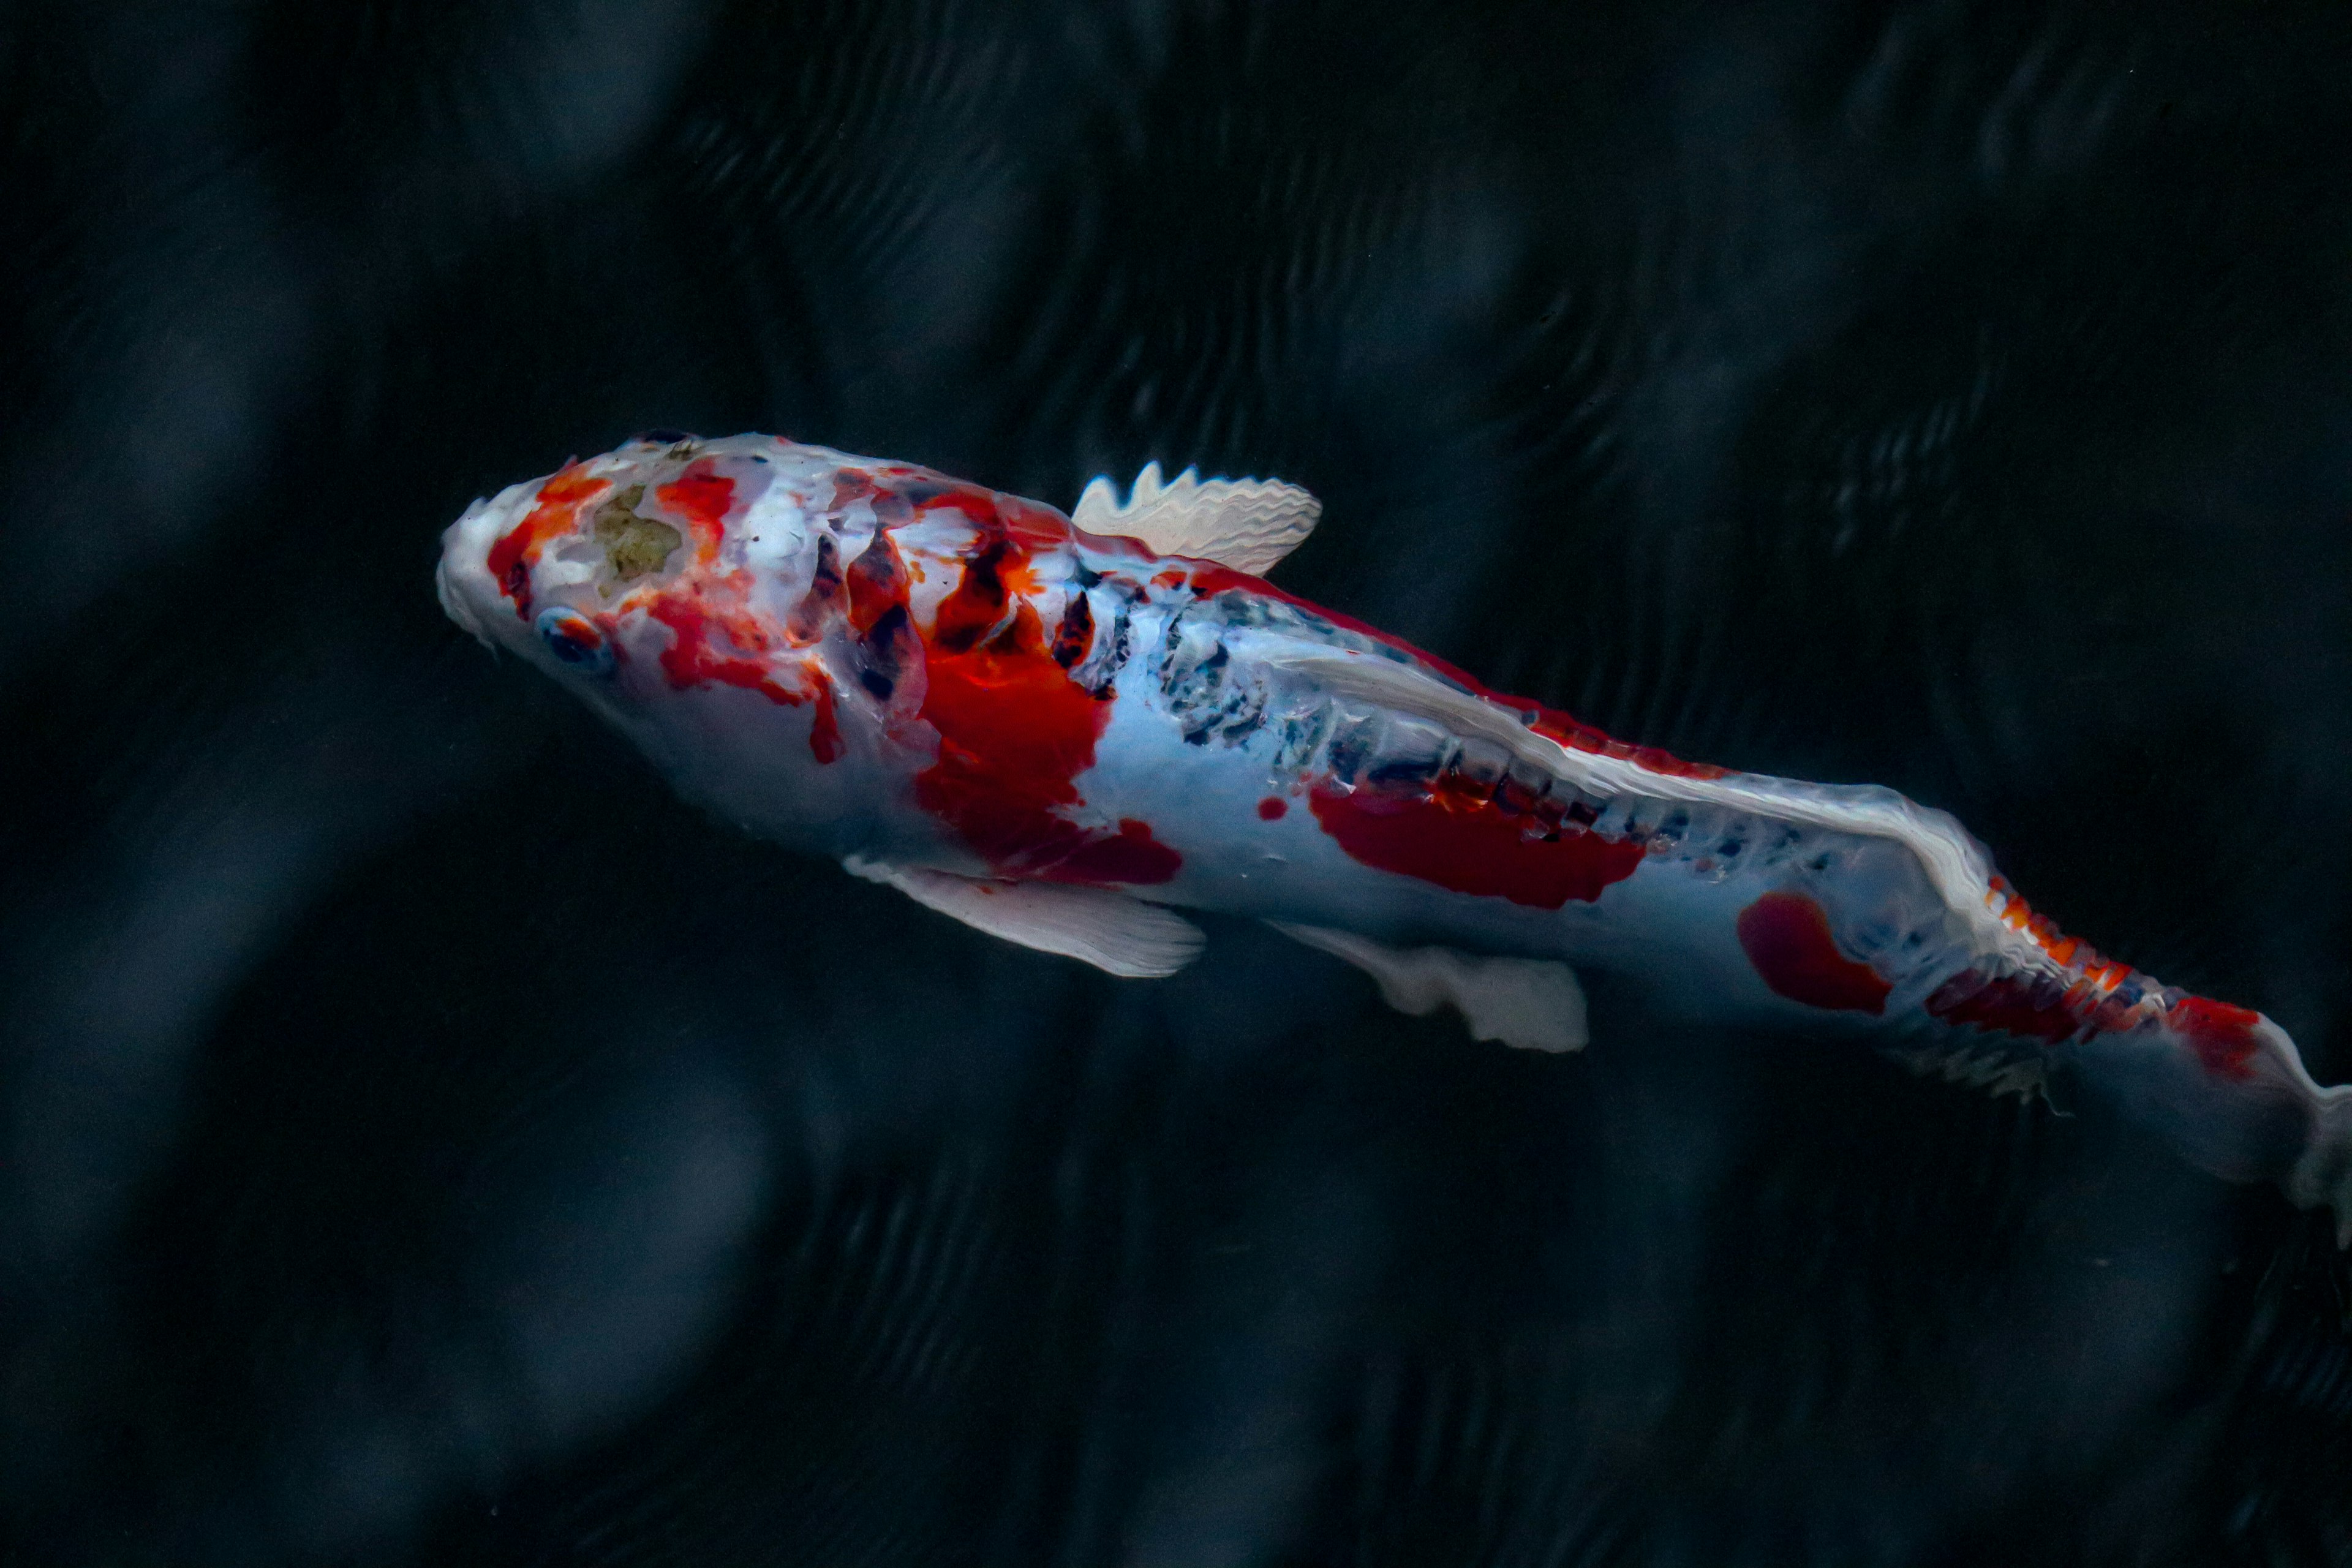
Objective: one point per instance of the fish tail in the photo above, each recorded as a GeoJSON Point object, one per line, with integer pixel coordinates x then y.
{"type": "Point", "coordinates": [2227, 1088]}
{"type": "Point", "coordinates": [2324, 1174]}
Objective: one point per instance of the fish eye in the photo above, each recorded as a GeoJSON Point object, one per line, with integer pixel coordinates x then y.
{"type": "Point", "coordinates": [575, 639]}
{"type": "Point", "coordinates": [663, 438]}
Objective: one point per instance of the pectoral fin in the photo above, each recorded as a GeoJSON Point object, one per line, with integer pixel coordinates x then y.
{"type": "Point", "coordinates": [1108, 930]}
{"type": "Point", "coordinates": [1984, 1064]}
{"type": "Point", "coordinates": [1246, 524]}
{"type": "Point", "coordinates": [1531, 1003]}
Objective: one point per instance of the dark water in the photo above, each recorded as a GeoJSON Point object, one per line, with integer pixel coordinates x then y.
{"type": "Point", "coordinates": [427, 1141]}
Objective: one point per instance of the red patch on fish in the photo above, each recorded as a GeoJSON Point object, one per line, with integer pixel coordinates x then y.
{"type": "Point", "coordinates": [2032, 1007]}
{"type": "Point", "coordinates": [1451, 837]}
{"type": "Point", "coordinates": [701, 495]}
{"type": "Point", "coordinates": [696, 658]}
{"type": "Point", "coordinates": [824, 731]}
{"type": "Point", "coordinates": [849, 486]}
{"type": "Point", "coordinates": [1025, 524]}
{"type": "Point", "coordinates": [975, 607]}
{"type": "Point", "coordinates": [876, 583]}
{"type": "Point", "coordinates": [1131, 855]}
{"type": "Point", "coordinates": [1272, 808]}
{"type": "Point", "coordinates": [2222, 1035]}
{"type": "Point", "coordinates": [1015, 732]}
{"type": "Point", "coordinates": [2079, 957]}
{"type": "Point", "coordinates": [515, 551]}
{"type": "Point", "coordinates": [1786, 937]}
{"type": "Point", "coordinates": [717, 639]}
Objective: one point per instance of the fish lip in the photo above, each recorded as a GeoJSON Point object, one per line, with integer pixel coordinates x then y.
{"type": "Point", "coordinates": [453, 604]}
{"type": "Point", "coordinates": [446, 588]}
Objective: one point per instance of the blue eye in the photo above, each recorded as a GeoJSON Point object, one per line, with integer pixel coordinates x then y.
{"type": "Point", "coordinates": [574, 638]}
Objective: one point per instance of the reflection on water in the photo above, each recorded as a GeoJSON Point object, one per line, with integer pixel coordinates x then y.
{"type": "Point", "coordinates": [426, 1139]}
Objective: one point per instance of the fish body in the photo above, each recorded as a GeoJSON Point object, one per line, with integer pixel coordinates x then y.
{"type": "Point", "coordinates": [1064, 730]}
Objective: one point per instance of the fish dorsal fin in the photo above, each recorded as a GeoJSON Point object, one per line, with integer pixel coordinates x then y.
{"type": "Point", "coordinates": [1246, 524]}
{"type": "Point", "coordinates": [1121, 936]}
{"type": "Point", "coordinates": [1531, 1002]}
{"type": "Point", "coordinates": [1955, 864]}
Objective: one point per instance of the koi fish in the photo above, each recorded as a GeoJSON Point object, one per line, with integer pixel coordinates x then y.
{"type": "Point", "coordinates": [1062, 730]}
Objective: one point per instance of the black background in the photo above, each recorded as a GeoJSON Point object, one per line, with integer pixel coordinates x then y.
{"type": "Point", "coordinates": [426, 1140]}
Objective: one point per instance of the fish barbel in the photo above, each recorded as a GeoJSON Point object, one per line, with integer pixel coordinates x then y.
{"type": "Point", "coordinates": [1061, 729]}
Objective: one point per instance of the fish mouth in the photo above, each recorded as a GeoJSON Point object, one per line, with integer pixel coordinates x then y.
{"type": "Point", "coordinates": [452, 594]}
{"type": "Point", "coordinates": [455, 605]}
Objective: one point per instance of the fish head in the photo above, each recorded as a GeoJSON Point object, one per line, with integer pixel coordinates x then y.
{"type": "Point", "coordinates": [684, 590]}
{"type": "Point", "coordinates": [550, 568]}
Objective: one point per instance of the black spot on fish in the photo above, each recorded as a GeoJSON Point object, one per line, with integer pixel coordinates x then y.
{"type": "Point", "coordinates": [1411, 769]}
{"type": "Point", "coordinates": [887, 652]}
{"type": "Point", "coordinates": [808, 618]}
{"type": "Point", "coordinates": [1075, 636]}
